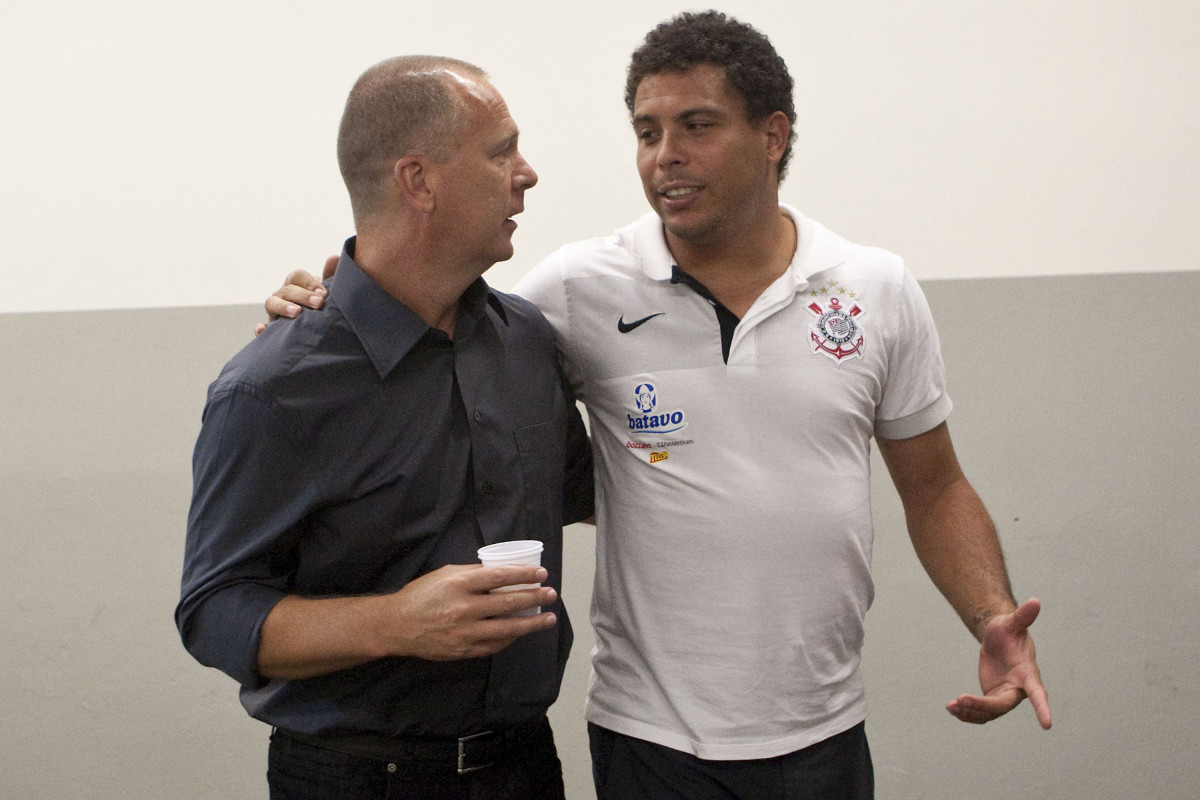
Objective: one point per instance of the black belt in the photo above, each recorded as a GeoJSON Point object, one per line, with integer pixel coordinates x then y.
{"type": "Point", "coordinates": [463, 754]}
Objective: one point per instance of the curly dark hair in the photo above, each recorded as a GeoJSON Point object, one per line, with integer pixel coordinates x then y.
{"type": "Point", "coordinates": [752, 67]}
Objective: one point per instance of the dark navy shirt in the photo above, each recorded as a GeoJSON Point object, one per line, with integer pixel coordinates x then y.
{"type": "Point", "coordinates": [352, 450]}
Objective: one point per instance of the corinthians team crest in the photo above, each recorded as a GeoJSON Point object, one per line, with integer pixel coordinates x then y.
{"type": "Point", "coordinates": [836, 331]}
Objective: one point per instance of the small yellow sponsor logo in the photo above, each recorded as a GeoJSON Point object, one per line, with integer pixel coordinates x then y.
{"type": "Point", "coordinates": [656, 457]}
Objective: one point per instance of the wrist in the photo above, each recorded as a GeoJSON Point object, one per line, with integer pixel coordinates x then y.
{"type": "Point", "coordinates": [984, 614]}
{"type": "Point", "coordinates": [390, 629]}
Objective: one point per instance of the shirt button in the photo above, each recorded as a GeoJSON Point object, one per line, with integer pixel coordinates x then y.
{"type": "Point", "coordinates": [391, 767]}
{"type": "Point", "coordinates": [478, 416]}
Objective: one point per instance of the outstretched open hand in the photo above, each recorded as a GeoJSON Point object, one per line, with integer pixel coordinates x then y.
{"type": "Point", "coordinates": [1008, 670]}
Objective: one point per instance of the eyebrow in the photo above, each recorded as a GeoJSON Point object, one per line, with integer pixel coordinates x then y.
{"type": "Point", "coordinates": [500, 145]}
{"type": "Point", "coordinates": [682, 116]}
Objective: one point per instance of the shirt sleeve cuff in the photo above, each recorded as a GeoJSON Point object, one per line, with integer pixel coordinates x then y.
{"type": "Point", "coordinates": [225, 630]}
{"type": "Point", "coordinates": [924, 420]}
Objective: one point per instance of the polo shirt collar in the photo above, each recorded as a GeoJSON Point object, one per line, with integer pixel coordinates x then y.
{"type": "Point", "coordinates": [387, 328]}
{"type": "Point", "coordinates": [817, 249]}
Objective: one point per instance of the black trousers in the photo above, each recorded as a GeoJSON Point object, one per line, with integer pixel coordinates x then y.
{"type": "Point", "coordinates": [299, 770]}
{"type": "Point", "coordinates": [625, 768]}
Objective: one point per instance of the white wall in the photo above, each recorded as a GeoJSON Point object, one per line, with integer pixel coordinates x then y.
{"type": "Point", "coordinates": [183, 154]}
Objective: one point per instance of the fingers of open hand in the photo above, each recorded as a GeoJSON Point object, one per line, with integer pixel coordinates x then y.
{"type": "Point", "coordinates": [1025, 615]}
{"type": "Point", "coordinates": [978, 709]}
{"type": "Point", "coordinates": [1040, 701]}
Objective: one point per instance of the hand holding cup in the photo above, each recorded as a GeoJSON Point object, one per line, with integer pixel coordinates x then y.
{"type": "Point", "coordinates": [521, 551]}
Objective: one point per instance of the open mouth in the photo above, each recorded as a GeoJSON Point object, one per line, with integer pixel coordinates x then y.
{"type": "Point", "coordinates": [679, 196]}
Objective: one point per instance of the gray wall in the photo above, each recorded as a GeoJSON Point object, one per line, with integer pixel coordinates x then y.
{"type": "Point", "coordinates": [1076, 419]}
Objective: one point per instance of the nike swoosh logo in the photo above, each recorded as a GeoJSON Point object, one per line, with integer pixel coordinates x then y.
{"type": "Point", "coordinates": [626, 327]}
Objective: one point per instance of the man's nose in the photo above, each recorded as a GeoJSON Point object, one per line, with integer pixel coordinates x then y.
{"type": "Point", "coordinates": [670, 150]}
{"type": "Point", "coordinates": [524, 175]}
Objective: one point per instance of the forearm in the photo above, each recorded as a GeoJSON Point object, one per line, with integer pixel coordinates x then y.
{"type": "Point", "coordinates": [303, 637]}
{"type": "Point", "coordinates": [951, 531]}
{"type": "Point", "coordinates": [449, 614]}
{"type": "Point", "coordinates": [957, 544]}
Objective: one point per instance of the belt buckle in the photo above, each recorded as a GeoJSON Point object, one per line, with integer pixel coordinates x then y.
{"type": "Point", "coordinates": [463, 769]}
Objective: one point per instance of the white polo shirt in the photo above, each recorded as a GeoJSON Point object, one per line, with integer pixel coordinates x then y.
{"type": "Point", "coordinates": [733, 499]}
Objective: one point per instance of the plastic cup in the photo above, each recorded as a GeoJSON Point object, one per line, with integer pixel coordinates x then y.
{"type": "Point", "coordinates": [521, 552]}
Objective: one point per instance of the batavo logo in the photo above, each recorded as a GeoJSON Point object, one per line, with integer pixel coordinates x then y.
{"type": "Point", "coordinates": [656, 457]}
{"type": "Point", "coordinates": [645, 420]}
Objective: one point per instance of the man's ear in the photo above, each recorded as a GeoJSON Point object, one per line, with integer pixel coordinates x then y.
{"type": "Point", "coordinates": [411, 175]}
{"type": "Point", "coordinates": [776, 127]}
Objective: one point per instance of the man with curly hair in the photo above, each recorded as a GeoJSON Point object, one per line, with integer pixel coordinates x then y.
{"type": "Point", "coordinates": [733, 553]}
{"type": "Point", "coordinates": [736, 359]}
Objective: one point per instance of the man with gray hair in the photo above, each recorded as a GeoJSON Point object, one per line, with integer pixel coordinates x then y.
{"type": "Point", "coordinates": [340, 589]}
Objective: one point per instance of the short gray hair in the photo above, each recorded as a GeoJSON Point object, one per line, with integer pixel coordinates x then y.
{"type": "Point", "coordinates": [401, 106]}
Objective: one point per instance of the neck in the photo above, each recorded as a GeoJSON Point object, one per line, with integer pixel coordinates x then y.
{"type": "Point", "coordinates": [421, 282]}
{"type": "Point", "coordinates": [739, 268]}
